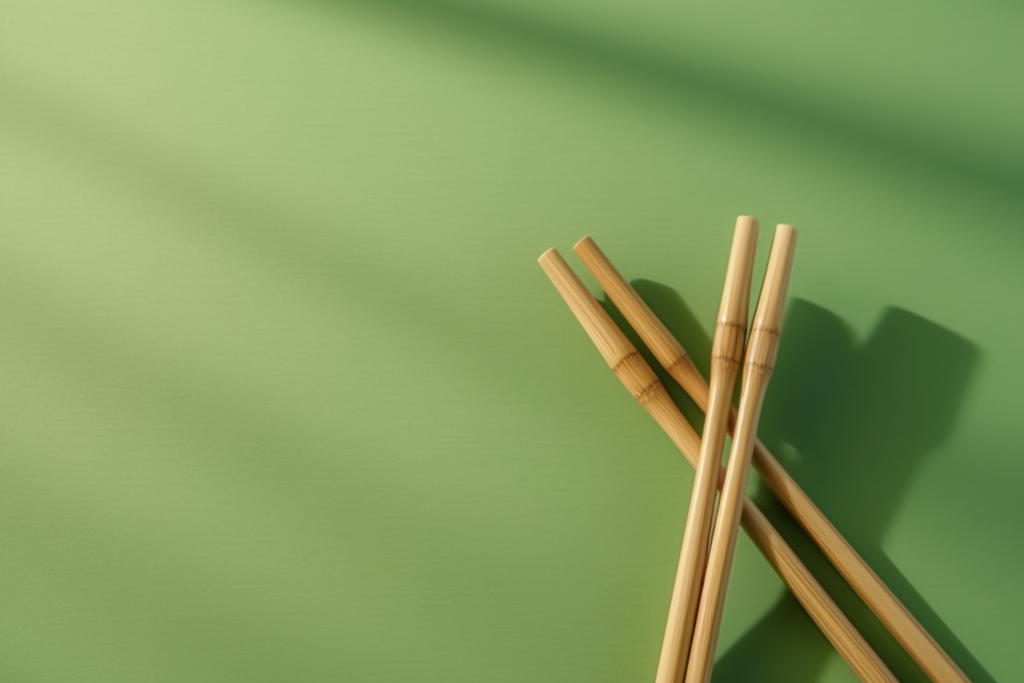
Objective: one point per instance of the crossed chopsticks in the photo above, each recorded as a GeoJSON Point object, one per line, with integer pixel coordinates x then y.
{"type": "Point", "coordinates": [695, 611]}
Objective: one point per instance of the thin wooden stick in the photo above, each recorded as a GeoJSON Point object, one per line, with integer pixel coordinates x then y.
{"type": "Point", "coordinates": [643, 384]}
{"type": "Point", "coordinates": [757, 370]}
{"type": "Point", "coordinates": [928, 654]}
{"type": "Point", "coordinates": [726, 355]}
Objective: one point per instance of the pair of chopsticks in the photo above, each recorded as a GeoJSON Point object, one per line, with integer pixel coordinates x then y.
{"type": "Point", "coordinates": [682, 652]}
{"type": "Point", "coordinates": [699, 592]}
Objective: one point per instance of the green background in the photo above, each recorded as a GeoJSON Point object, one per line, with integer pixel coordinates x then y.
{"type": "Point", "coordinates": [287, 398]}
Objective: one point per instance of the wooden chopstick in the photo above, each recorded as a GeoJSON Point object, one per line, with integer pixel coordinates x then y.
{"type": "Point", "coordinates": [638, 378]}
{"type": "Point", "coordinates": [757, 370]}
{"type": "Point", "coordinates": [928, 654]}
{"type": "Point", "coordinates": [726, 355]}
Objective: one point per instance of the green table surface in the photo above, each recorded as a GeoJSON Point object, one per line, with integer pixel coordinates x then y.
{"type": "Point", "coordinates": [286, 397]}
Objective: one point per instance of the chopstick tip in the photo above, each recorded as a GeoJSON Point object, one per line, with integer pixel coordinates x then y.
{"type": "Point", "coordinates": [547, 255]}
{"type": "Point", "coordinates": [785, 229]}
{"type": "Point", "coordinates": [585, 242]}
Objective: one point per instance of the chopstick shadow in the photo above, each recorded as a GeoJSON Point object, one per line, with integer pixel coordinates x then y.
{"type": "Point", "coordinates": [861, 416]}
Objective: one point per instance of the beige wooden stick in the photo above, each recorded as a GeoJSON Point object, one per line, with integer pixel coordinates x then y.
{"type": "Point", "coordinates": [726, 355]}
{"type": "Point", "coordinates": [929, 655]}
{"type": "Point", "coordinates": [757, 370]}
{"type": "Point", "coordinates": [644, 385]}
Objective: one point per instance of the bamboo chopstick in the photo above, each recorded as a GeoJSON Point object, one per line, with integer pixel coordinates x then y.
{"type": "Point", "coordinates": [638, 378]}
{"type": "Point", "coordinates": [918, 643]}
{"type": "Point", "coordinates": [757, 370]}
{"type": "Point", "coordinates": [726, 355]}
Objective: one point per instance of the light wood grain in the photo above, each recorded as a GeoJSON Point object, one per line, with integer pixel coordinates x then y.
{"type": "Point", "coordinates": [641, 382]}
{"type": "Point", "coordinates": [757, 369]}
{"type": "Point", "coordinates": [918, 643]}
{"type": "Point", "coordinates": [726, 355]}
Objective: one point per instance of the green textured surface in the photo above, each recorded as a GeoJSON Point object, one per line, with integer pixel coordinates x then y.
{"type": "Point", "coordinates": [286, 397]}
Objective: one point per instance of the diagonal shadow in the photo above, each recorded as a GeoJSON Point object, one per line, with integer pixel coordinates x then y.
{"type": "Point", "coordinates": [738, 94]}
{"type": "Point", "coordinates": [277, 234]}
{"type": "Point", "coordinates": [863, 417]}
{"type": "Point", "coordinates": [325, 256]}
